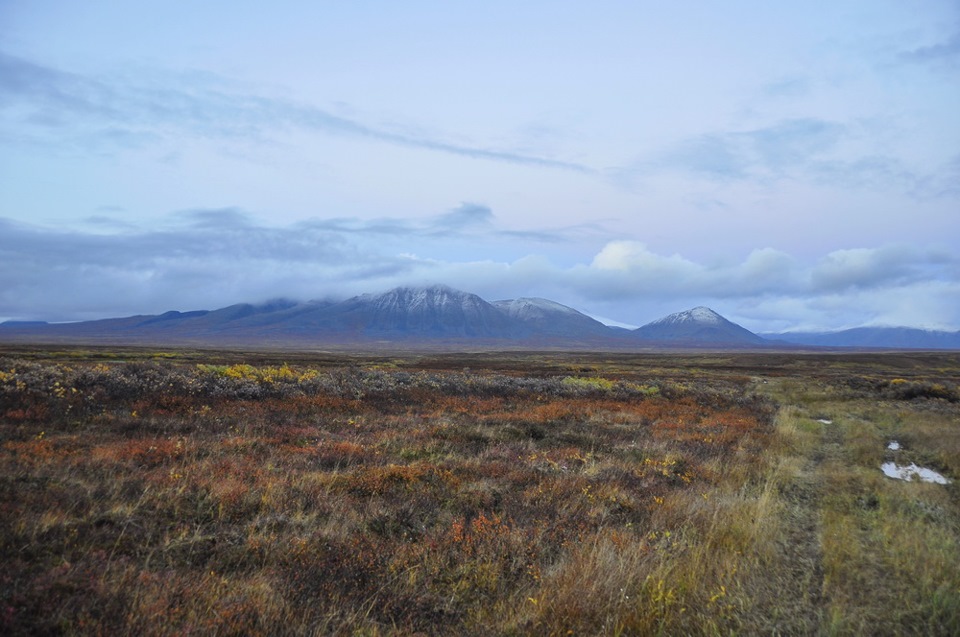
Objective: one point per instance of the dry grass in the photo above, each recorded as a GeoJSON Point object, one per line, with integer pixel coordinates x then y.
{"type": "Point", "coordinates": [167, 498]}
{"type": "Point", "coordinates": [882, 552]}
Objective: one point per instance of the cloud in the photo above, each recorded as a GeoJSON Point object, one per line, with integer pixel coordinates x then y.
{"type": "Point", "coordinates": [797, 149]}
{"type": "Point", "coordinates": [215, 257]}
{"type": "Point", "coordinates": [720, 157]}
{"type": "Point", "coordinates": [467, 221]}
{"type": "Point", "coordinates": [767, 290]}
{"type": "Point", "coordinates": [788, 87]}
{"type": "Point", "coordinates": [42, 102]}
{"type": "Point", "coordinates": [50, 91]}
{"type": "Point", "coordinates": [634, 257]}
{"type": "Point", "coordinates": [947, 52]}
{"type": "Point", "coordinates": [792, 142]}
{"type": "Point", "coordinates": [863, 268]}
{"type": "Point", "coordinates": [203, 259]}
{"type": "Point", "coordinates": [771, 151]}
{"type": "Point", "coordinates": [64, 274]}
{"type": "Point", "coordinates": [928, 304]}
{"type": "Point", "coordinates": [107, 223]}
{"type": "Point", "coordinates": [466, 215]}
{"type": "Point", "coordinates": [630, 268]}
{"type": "Point", "coordinates": [218, 218]}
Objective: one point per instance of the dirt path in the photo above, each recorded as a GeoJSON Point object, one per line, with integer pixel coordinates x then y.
{"type": "Point", "coordinates": [798, 605]}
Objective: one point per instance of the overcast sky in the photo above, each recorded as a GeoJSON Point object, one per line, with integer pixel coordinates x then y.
{"type": "Point", "coordinates": [791, 165]}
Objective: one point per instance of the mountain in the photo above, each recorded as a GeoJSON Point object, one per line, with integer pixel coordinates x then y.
{"type": "Point", "coordinates": [700, 326]}
{"type": "Point", "coordinates": [440, 316]}
{"type": "Point", "coordinates": [874, 337]}
{"type": "Point", "coordinates": [401, 314]}
{"type": "Point", "coordinates": [434, 311]}
{"type": "Point", "coordinates": [549, 318]}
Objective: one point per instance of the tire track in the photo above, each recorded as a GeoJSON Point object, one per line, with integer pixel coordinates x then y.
{"type": "Point", "coordinates": [798, 603]}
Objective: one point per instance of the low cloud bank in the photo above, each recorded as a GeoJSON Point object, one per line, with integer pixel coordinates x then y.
{"type": "Point", "coordinates": [212, 258]}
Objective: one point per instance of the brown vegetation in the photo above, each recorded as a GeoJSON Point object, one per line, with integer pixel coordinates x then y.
{"type": "Point", "coordinates": [147, 497]}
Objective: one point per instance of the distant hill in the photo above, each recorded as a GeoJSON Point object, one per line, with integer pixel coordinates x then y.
{"type": "Point", "coordinates": [440, 316]}
{"type": "Point", "coordinates": [413, 316]}
{"type": "Point", "coordinates": [873, 337]}
{"type": "Point", "coordinates": [699, 326]}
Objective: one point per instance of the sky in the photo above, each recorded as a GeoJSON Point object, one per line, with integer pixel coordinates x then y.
{"type": "Point", "coordinates": [794, 166]}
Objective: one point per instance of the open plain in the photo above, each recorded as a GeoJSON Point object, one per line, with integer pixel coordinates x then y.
{"type": "Point", "coordinates": [236, 493]}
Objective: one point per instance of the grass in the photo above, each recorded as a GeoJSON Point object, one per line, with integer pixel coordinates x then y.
{"type": "Point", "coordinates": [238, 493]}
{"type": "Point", "coordinates": [883, 552]}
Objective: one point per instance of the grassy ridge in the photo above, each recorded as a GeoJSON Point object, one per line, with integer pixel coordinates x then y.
{"type": "Point", "coordinates": [528, 495]}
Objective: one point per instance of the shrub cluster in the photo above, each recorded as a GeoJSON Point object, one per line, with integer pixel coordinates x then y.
{"type": "Point", "coordinates": [162, 498]}
{"type": "Point", "coordinates": [903, 389]}
{"type": "Point", "coordinates": [46, 390]}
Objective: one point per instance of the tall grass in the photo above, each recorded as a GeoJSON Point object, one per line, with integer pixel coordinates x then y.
{"type": "Point", "coordinates": [886, 550]}
{"type": "Point", "coordinates": [165, 498]}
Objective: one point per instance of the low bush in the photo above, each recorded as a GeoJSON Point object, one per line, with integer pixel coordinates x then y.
{"type": "Point", "coordinates": [165, 498]}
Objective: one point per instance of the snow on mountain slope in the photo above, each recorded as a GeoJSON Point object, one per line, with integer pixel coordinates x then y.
{"type": "Point", "coordinates": [551, 318]}
{"type": "Point", "coordinates": [698, 325]}
{"type": "Point", "coordinates": [534, 308]}
{"type": "Point", "coordinates": [436, 310]}
{"type": "Point", "coordinates": [699, 315]}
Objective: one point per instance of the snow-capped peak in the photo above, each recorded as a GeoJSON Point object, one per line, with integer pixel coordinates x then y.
{"type": "Point", "coordinates": [416, 297]}
{"type": "Point", "coordinates": [525, 306]}
{"type": "Point", "coordinates": [702, 315]}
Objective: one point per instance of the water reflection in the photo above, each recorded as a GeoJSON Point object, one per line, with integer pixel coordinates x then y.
{"type": "Point", "coordinates": [909, 472]}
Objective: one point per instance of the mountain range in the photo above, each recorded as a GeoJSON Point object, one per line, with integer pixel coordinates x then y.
{"type": "Point", "coordinates": [438, 316]}
{"type": "Point", "coordinates": [872, 337]}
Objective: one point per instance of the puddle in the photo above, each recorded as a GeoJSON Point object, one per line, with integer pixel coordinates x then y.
{"type": "Point", "coordinates": [893, 470]}
{"type": "Point", "coordinates": [824, 421]}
